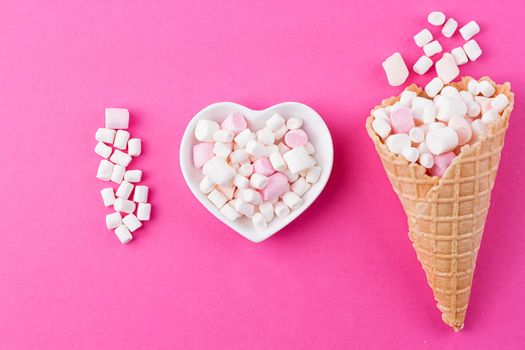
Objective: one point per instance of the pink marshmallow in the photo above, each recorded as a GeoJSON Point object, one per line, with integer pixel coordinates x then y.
{"type": "Point", "coordinates": [441, 163]}
{"type": "Point", "coordinates": [277, 186]}
{"type": "Point", "coordinates": [234, 122]}
{"type": "Point", "coordinates": [296, 138]}
{"type": "Point", "coordinates": [402, 120]}
{"type": "Point", "coordinates": [202, 152]}
{"type": "Point", "coordinates": [263, 166]}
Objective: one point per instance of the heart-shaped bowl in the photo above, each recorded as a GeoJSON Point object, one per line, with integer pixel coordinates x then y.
{"type": "Point", "coordinates": [318, 135]}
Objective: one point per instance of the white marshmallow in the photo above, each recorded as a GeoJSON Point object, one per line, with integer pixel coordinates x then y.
{"type": "Point", "coordinates": [422, 65]}
{"type": "Point", "coordinates": [120, 158]}
{"type": "Point", "coordinates": [131, 222]}
{"type": "Point", "coordinates": [448, 107]}
{"type": "Point", "coordinates": [423, 148]}
{"type": "Point", "coordinates": [105, 135]}
{"type": "Point", "coordinates": [227, 191]}
{"type": "Point", "coordinates": [432, 48]}
{"type": "Point", "coordinates": [469, 30]}
{"type": "Point", "coordinates": [223, 136]}
{"type": "Point", "coordinates": [229, 212]}
{"type": "Point", "coordinates": [279, 133]}
{"type": "Point", "coordinates": [500, 102]}
{"type": "Point", "coordinates": [238, 156]}
{"type": "Point", "coordinates": [222, 149]}
{"type": "Point", "coordinates": [442, 140]}
{"type": "Point", "coordinates": [219, 171]}
{"type": "Point", "coordinates": [275, 121]}
{"type": "Point", "coordinates": [313, 174]}
{"type": "Point", "coordinates": [301, 186]}
{"type": "Point", "coordinates": [272, 149]}
{"type": "Point", "coordinates": [381, 113]}
{"type": "Point", "coordinates": [429, 115]}
{"type": "Point", "coordinates": [419, 104]}
{"type": "Point", "coordinates": [255, 149]}
{"type": "Point", "coordinates": [478, 129]}
{"type": "Point", "coordinates": [217, 198]}
{"type": "Point", "coordinates": [472, 86]}
{"type": "Point", "coordinates": [124, 205]}
{"type": "Point", "coordinates": [473, 109]}
{"type": "Point", "coordinates": [124, 190]}
{"type": "Point", "coordinates": [426, 160]}
{"type": "Point", "coordinates": [243, 137]}
{"type": "Point", "coordinates": [123, 234]}
{"type": "Point", "coordinates": [395, 69]}
{"type": "Point", "coordinates": [486, 88]}
{"type": "Point", "coordinates": [416, 135]}
{"type": "Point", "coordinates": [397, 143]}
{"type": "Point", "coordinates": [381, 127]}
{"type": "Point", "coordinates": [258, 181]}
{"type": "Point", "coordinates": [472, 50]}
{"type": "Point", "coordinates": [243, 207]}
{"type": "Point", "coordinates": [240, 181]}
{"type": "Point", "coordinates": [206, 185]}
{"type": "Point", "coordinates": [281, 209]}
{"type": "Point", "coordinates": [246, 170]}
{"type": "Point", "coordinates": [436, 18]}
{"type": "Point", "coordinates": [134, 147]}
{"type": "Point", "coordinates": [205, 129]}
{"type": "Point", "coordinates": [141, 194]}
{"type": "Point", "coordinates": [449, 28]}
{"type": "Point", "coordinates": [266, 210]}
{"type": "Point", "coordinates": [310, 149]}
{"type": "Point", "coordinates": [462, 128]}
{"type": "Point", "coordinates": [283, 148]}
{"type": "Point", "coordinates": [251, 196]}
{"type": "Point", "coordinates": [466, 96]}
{"type": "Point", "coordinates": [490, 116]}
{"type": "Point", "coordinates": [406, 98]}
{"type": "Point", "coordinates": [265, 136]}
{"type": "Point", "coordinates": [108, 196]}
{"type": "Point", "coordinates": [435, 125]}
{"type": "Point", "coordinates": [294, 123]}
{"type": "Point", "coordinates": [277, 161]}
{"type": "Point", "coordinates": [259, 222]}
{"type": "Point", "coordinates": [434, 87]}
{"type": "Point", "coordinates": [121, 139]}
{"type": "Point", "coordinates": [459, 55]}
{"type": "Point", "coordinates": [144, 211]}
{"type": "Point", "coordinates": [446, 68]}
{"type": "Point", "coordinates": [292, 177]}
{"type": "Point", "coordinates": [423, 37]}
{"type": "Point", "coordinates": [133, 175]}
{"type": "Point", "coordinates": [103, 150]}
{"type": "Point", "coordinates": [117, 175]}
{"type": "Point", "coordinates": [113, 220]}
{"type": "Point", "coordinates": [298, 160]}
{"type": "Point", "coordinates": [411, 154]}
{"type": "Point", "coordinates": [117, 118]}
{"type": "Point", "coordinates": [450, 91]}
{"type": "Point", "coordinates": [105, 168]}
{"type": "Point", "coordinates": [292, 200]}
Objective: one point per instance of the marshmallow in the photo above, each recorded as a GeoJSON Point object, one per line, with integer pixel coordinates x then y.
{"type": "Point", "coordinates": [473, 109]}
{"type": "Point", "coordinates": [255, 149]}
{"type": "Point", "coordinates": [266, 210]}
{"type": "Point", "coordinates": [227, 191]}
{"type": "Point", "coordinates": [419, 104]}
{"type": "Point", "coordinates": [294, 123]}
{"type": "Point", "coordinates": [131, 222]}
{"type": "Point", "coordinates": [134, 147]}
{"type": "Point", "coordinates": [395, 69]}
{"type": "Point", "coordinates": [124, 190]}
{"type": "Point", "coordinates": [144, 211]}
{"type": "Point", "coordinates": [381, 113]}
{"type": "Point", "coordinates": [246, 170]}
{"type": "Point", "coordinates": [113, 220]}
{"type": "Point", "coordinates": [120, 158]}
{"type": "Point", "coordinates": [258, 181]}
{"type": "Point", "coordinates": [133, 175]}
{"type": "Point", "coordinates": [229, 212]}
{"type": "Point", "coordinates": [500, 102]}
{"type": "Point", "coordinates": [240, 181]}
{"type": "Point", "coordinates": [279, 133]}
{"type": "Point", "coordinates": [467, 97]}
{"type": "Point", "coordinates": [117, 118]}
{"type": "Point", "coordinates": [277, 186]}
{"type": "Point", "coordinates": [223, 136]}
{"type": "Point", "coordinates": [435, 125]}
{"type": "Point", "coordinates": [277, 161]}
{"type": "Point", "coordinates": [416, 135]}
{"type": "Point", "coordinates": [238, 156]}
{"type": "Point", "coordinates": [432, 48]}
{"type": "Point", "coordinates": [406, 98]}
{"type": "Point", "coordinates": [292, 177]}
{"type": "Point", "coordinates": [301, 186]}
{"type": "Point", "coordinates": [295, 138]}
{"type": "Point", "coordinates": [298, 160]}
{"type": "Point", "coordinates": [263, 166]}
{"type": "Point", "coordinates": [281, 209]}
{"type": "Point", "coordinates": [292, 200]}
{"type": "Point", "coordinates": [222, 149]}
{"type": "Point", "coordinates": [105, 135]}
{"type": "Point", "coordinates": [402, 120]}
{"type": "Point", "coordinates": [251, 196]}
{"type": "Point", "coordinates": [244, 207]}
{"type": "Point", "coordinates": [423, 37]}
{"type": "Point", "coordinates": [108, 196]}
{"type": "Point", "coordinates": [103, 150]}
{"type": "Point", "coordinates": [446, 68]}
{"type": "Point", "coordinates": [206, 185]}
{"type": "Point", "coordinates": [243, 137]}
{"type": "Point", "coordinates": [478, 129]}
{"type": "Point", "coordinates": [310, 149]}
{"type": "Point", "coordinates": [275, 122]}
{"type": "Point", "coordinates": [459, 55]}
{"type": "Point", "coordinates": [105, 168]}
{"type": "Point", "coordinates": [141, 194]}
{"type": "Point", "coordinates": [426, 160]}
{"type": "Point", "coordinates": [434, 87]}
{"type": "Point", "coordinates": [217, 198]}
{"type": "Point", "coordinates": [117, 175]}
{"type": "Point", "coordinates": [219, 171]}
{"type": "Point", "coordinates": [423, 148]}
{"type": "Point", "coordinates": [313, 174]}
{"type": "Point", "coordinates": [381, 127]}
{"type": "Point", "coordinates": [411, 154]}
{"type": "Point", "coordinates": [124, 205]}
{"type": "Point", "coordinates": [490, 116]}
{"type": "Point", "coordinates": [205, 129]}
{"type": "Point", "coordinates": [469, 30]}
{"type": "Point", "coordinates": [397, 143]}
{"type": "Point", "coordinates": [442, 140]}
{"type": "Point", "coordinates": [422, 65]}
{"type": "Point", "coordinates": [436, 18]}
{"type": "Point", "coordinates": [450, 91]}
{"type": "Point", "coordinates": [462, 128]}
{"type": "Point", "coordinates": [486, 88]}
{"type": "Point", "coordinates": [202, 152]}
{"type": "Point", "coordinates": [282, 148]}
{"type": "Point", "coordinates": [472, 86]}
{"type": "Point", "coordinates": [448, 107]}
{"type": "Point", "coordinates": [441, 163]}
{"type": "Point", "coordinates": [259, 222]}
{"type": "Point", "coordinates": [472, 50]}
{"type": "Point", "coordinates": [265, 136]}
{"type": "Point", "coordinates": [121, 139]}
{"type": "Point", "coordinates": [449, 28]}
{"type": "Point", "coordinates": [123, 234]}
{"type": "Point", "coordinates": [235, 122]}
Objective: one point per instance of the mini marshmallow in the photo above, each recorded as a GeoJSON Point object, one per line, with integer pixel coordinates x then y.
{"type": "Point", "coordinates": [446, 68]}
{"type": "Point", "coordinates": [243, 137]}
{"type": "Point", "coordinates": [462, 128]}
{"type": "Point", "coordinates": [206, 185]}
{"type": "Point", "coordinates": [279, 133]}
{"type": "Point", "coordinates": [429, 115]}
{"type": "Point", "coordinates": [294, 123]}
{"type": "Point", "coordinates": [205, 129]}
{"type": "Point", "coordinates": [436, 18]}
{"type": "Point", "coordinates": [263, 166]}
{"type": "Point", "coordinates": [251, 196]}
{"type": "Point", "coordinates": [500, 102]}
{"type": "Point", "coordinates": [117, 118]}
{"type": "Point", "coordinates": [472, 50]}
{"type": "Point", "coordinates": [459, 55]}
{"type": "Point", "coordinates": [441, 164]}
{"type": "Point", "coordinates": [134, 147]}
{"type": "Point", "coordinates": [466, 96]}
{"type": "Point", "coordinates": [310, 149]}
{"type": "Point", "coordinates": [472, 86]}
{"type": "Point", "coordinates": [113, 220]}
{"type": "Point", "coordinates": [490, 116]}
{"type": "Point", "coordinates": [486, 88]}
{"type": "Point", "coordinates": [450, 91]}
{"type": "Point", "coordinates": [103, 150]}
{"type": "Point", "coordinates": [123, 234]}
{"type": "Point", "coordinates": [246, 170]}
{"type": "Point", "coordinates": [277, 186]}
{"type": "Point", "coordinates": [240, 181]}
{"type": "Point", "coordinates": [222, 149]}
{"type": "Point", "coordinates": [244, 207]}
{"type": "Point", "coordinates": [282, 148]}
{"type": "Point", "coordinates": [448, 107]}
{"type": "Point", "coordinates": [397, 143]}
{"type": "Point", "coordinates": [442, 140]}
{"type": "Point", "coordinates": [124, 190]}
{"type": "Point", "coordinates": [298, 160]}
{"type": "Point", "coordinates": [255, 149]}
{"type": "Point", "coordinates": [121, 139]}
{"type": "Point", "coordinates": [229, 212]}
{"type": "Point", "coordinates": [259, 222]}
{"type": "Point", "coordinates": [124, 205]}
{"type": "Point", "coordinates": [275, 122]}
{"type": "Point", "coordinates": [449, 28]}
{"type": "Point", "coordinates": [105, 168]}
{"type": "Point", "coordinates": [235, 122]}
{"type": "Point", "coordinates": [435, 125]}
{"type": "Point", "coordinates": [238, 156]}
{"type": "Point", "coordinates": [265, 136]}
{"type": "Point", "coordinates": [223, 136]}
{"type": "Point", "coordinates": [395, 69]}
{"type": "Point", "coordinates": [419, 104]}
{"type": "Point", "coordinates": [141, 194]}
{"type": "Point", "coordinates": [277, 161]}
{"type": "Point", "coordinates": [292, 177]}
{"type": "Point", "coordinates": [219, 171]}
{"type": "Point", "coordinates": [422, 65]}
{"type": "Point", "coordinates": [108, 196]}
{"type": "Point", "coordinates": [117, 175]}
{"type": "Point", "coordinates": [423, 37]}
{"type": "Point", "coordinates": [120, 158]}
{"type": "Point", "coordinates": [426, 160]}
{"type": "Point", "coordinates": [423, 148]}
{"type": "Point", "coordinates": [402, 120]}
{"type": "Point", "coordinates": [295, 138]}
{"type": "Point", "coordinates": [301, 186]}
{"type": "Point", "coordinates": [258, 181]}
{"type": "Point", "coordinates": [202, 152]}
{"type": "Point", "coordinates": [416, 135]}
{"type": "Point", "coordinates": [406, 98]}
{"type": "Point", "coordinates": [144, 211]}
{"type": "Point", "coordinates": [381, 127]}
{"type": "Point", "coordinates": [313, 174]}
{"type": "Point", "coordinates": [432, 48]}
{"type": "Point", "coordinates": [381, 113]}
{"type": "Point", "coordinates": [266, 210]}
{"type": "Point", "coordinates": [133, 175]}
{"type": "Point", "coordinates": [217, 198]}
{"type": "Point", "coordinates": [469, 30]}
{"type": "Point", "coordinates": [434, 87]}
{"type": "Point", "coordinates": [131, 222]}
{"type": "Point", "coordinates": [281, 209]}
{"type": "Point", "coordinates": [473, 109]}
{"type": "Point", "coordinates": [411, 154]}
{"type": "Point", "coordinates": [478, 129]}
{"type": "Point", "coordinates": [292, 200]}
{"type": "Point", "coordinates": [105, 135]}
{"type": "Point", "coordinates": [227, 191]}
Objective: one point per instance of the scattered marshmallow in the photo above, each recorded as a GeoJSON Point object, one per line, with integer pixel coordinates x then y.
{"type": "Point", "coordinates": [105, 135]}
{"type": "Point", "coordinates": [105, 169]}
{"type": "Point", "coordinates": [436, 18]}
{"type": "Point", "coordinates": [472, 50]}
{"type": "Point", "coordinates": [117, 118]}
{"type": "Point", "coordinates": [459, 55]}
{"type": "Point", "coordinates": [121, 139]}
{"type": "Point", "coordinates": [120, 158]}
{"type": "Point", "coordinates": [141, 194]}
{"type": "Point", "coordinates": [113, 220]}
{"type": "Point", "coordinates": [446, 68]}
{"type": "Point", "coordinates": [144, 211]}
{"type": "Point", "coordinates": [131, 222]}
{"type": "Point", "coordinates": [123, 234]}
{"type": "Point", "coordinates": [124, 205]}
{"type": "Point", "coordinates": [469, 30]}
{"type": "Point", "coordinates": [103, 150]}
{"type": "Point", "coordinates": [133, 176]}
{"type": "Point", "coordinates": [422, 65]}
{"type": "Point", "coordinates": [432, 48]}
{"type": "Point", "coordinates": [134, 147]}
{"type": "Point", "coordinates": [434, 87]}
{"type": "Point", "coordinates": [395, 69]}
{"type": "Point", "coordinates": [449, 28]}
{"type": "Point", "coordinates": [108, 196]}
{"type": "Point", "coordinates": [124, 190]}
{"type": "Point", "coordinates": [117, 175]}
{"type": "Point", "coordinates": [423, 37]}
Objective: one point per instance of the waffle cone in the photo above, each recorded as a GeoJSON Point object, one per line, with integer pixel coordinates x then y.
{"type": "Point", "coordinates": [446, 216]}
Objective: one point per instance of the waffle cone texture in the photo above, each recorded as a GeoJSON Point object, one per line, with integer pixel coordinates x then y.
{"type": "Point", "coordinates": [446, 216]}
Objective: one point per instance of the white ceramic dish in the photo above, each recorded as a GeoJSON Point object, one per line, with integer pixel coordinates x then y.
{"type": "Point", "coordinates": [318, 134]}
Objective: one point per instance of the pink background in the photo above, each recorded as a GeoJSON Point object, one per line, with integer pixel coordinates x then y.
{"type": "Point", "coordinates": [342, 275]}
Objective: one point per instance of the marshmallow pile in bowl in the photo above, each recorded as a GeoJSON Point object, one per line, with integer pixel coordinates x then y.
{"type": "Point", "coordinates": [431, 130]}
